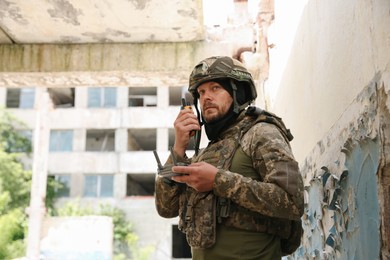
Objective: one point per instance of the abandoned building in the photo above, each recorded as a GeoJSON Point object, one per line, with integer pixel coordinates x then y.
{"type": "Point", "coordinates": [101, 85]}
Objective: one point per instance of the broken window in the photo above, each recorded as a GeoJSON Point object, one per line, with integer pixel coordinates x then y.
{"type": "Point", "coordinates": [62, 187]}
{"type": "Point", "coordinates": [141, 139]}
{"type": "Point", "coordinates": [20, 97]}
{"type": "Point", "coordinates": [62, 97]}
{"type": "Point", "coordinates": [180, 247]}
{"type": "Point", "coordinates": [101, 97]}
{"type": "Point", "coordinates": [140, 184]}
{"type": "Point", "coordinates": [142, 97]}
{"type": "Point", "coordinates": [61, 140]}
{"type": "Point", "coordinates": [99, 186]}
{"type": "Point", "coordinates": [176, 93]}
{"type": "Point", "coordinates": [100, 140]}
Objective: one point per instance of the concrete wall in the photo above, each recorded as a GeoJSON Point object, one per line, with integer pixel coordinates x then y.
{"type": "Point", "coordinates": [329, 81]}
{"type": "Point", "coordinates": [161, 57]}
{"type": "Point", "coordinates": [88, 237]}
{"type": "Point", "coordinates": [346, 183]}
{"type": "Point", "coordinates": [75, 21]}
{"type": "Point", "coordinates": [324, 54]}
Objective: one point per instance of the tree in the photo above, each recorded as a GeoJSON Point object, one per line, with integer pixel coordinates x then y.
{"type": "Point", "coordinates": [15, 184]}
{"type": "Point", "coordinates": [12, 139]}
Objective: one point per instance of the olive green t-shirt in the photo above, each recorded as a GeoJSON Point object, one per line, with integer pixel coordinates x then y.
{"type": "Point", "coordinates": [232, 243]}
{"type": "Point", "coordinates": [236, 244]}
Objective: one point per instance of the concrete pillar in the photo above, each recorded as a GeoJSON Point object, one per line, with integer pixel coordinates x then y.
{"type": "Point", "coordinates": [162, 133]}
{"type": "Point", "coordinates": [121, 140]}
{"type": "Point", "coordinates": [3, 97]}
{"type": "Point", "coordinates": [120, 185]}
{"type": "Point", "coordinates": [121, 135]}
{"type": "Point", "coordinates": [39, 93]}
{"type": "Point", "coordinates": [81, 94]}
{"type": "Point", "coordinates": [162, 96]}
{"type": "Point", "coordinates": [77, 185]}
{"type": "Point", "coordinates": [122, 97]}
{"type": "Point", "coordinates": [36, 210]}
{"type": "Point", "coordinates": [162, 139]}
{"type": "Point", "coordinates": [79, 140]}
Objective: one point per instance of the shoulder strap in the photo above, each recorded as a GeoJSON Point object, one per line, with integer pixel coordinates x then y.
{"type": "Point", "coordinates": [261, 115]}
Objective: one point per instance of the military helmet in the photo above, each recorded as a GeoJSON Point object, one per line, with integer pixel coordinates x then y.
{"type": "Point", "coordinates": [219, 67]}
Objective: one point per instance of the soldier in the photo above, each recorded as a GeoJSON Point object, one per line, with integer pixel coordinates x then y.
{"type": "Point", "coordinates": [238, 197]}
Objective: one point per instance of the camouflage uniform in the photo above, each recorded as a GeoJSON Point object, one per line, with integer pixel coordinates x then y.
{"type": "Point", "coordinates": [265, 201]}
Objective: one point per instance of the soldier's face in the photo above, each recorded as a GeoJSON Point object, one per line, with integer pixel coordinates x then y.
{"type": "Point", "coordinates": [214, 101]}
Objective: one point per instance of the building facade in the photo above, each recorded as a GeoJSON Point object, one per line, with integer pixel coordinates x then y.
{"type": "Point", "coordinates": [101, 143]}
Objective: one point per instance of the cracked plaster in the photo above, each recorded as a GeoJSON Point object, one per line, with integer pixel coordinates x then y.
{"type": "Point", "coordinates": [344, 196]}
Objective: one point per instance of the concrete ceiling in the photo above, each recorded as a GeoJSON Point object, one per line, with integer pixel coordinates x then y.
{"type": "Point", "coordinates": [100, 21]}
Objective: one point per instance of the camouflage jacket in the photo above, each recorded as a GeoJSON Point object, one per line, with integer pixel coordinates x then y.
{"type": "Point", "coordinates": [263, 204]}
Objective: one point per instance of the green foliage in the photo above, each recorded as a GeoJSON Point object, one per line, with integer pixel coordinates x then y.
{"type": "Point", "coordinates": [122, 227]}
{"type": "Point", "coordinates": [11, 139]}
{"type": "Point", "coordinates": [51, 188]}
{"type": "Point", "coordinates": [12, 230]}
{"type": "Point", "coordinates": [138, 253]}
{"type": "Point", "coordinates": [14, 180]}
{"type": "Point", "coordinates": [15, 185]}
{"type": "Point", "coordinates": [4, 201]}
{"type": "Point", "coordinates": [73, 208]}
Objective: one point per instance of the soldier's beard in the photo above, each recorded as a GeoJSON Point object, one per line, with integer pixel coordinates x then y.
{"type": "Point", "coordinates": [216, 126]}
{"type": "Point", "coordinates": [213, 119]}
{"type": "Point", "coordinates": [213, 116]}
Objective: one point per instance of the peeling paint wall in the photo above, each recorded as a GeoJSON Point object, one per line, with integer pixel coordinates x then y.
{"type": "Point", "coordinates": [346, 195]}
{"type": "Point", "coordinates": [329, 81]}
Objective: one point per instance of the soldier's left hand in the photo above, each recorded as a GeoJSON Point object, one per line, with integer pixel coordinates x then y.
{"type": "Point", "coordinates": [199, 176]}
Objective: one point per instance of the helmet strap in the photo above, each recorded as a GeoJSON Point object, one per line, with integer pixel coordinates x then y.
{"type": "Point", "coordinates": [197, 111]}
{"type": "Point", "coordinates": [198, 133]}
{"type": "Point", "coordinates": [237, 108]}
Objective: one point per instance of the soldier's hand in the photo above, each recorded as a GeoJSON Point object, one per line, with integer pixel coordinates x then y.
{"type": "Point", "coordinates": [185, 122]}
{"type": "Point", "coordinates": [199, 176]}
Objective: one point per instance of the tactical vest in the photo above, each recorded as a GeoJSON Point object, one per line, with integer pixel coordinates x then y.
{"type": "Point", "coordinates": [200, 212]}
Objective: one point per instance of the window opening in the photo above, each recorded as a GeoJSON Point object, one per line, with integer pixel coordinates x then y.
{"type": "Point", "coordinates": [142, 139]}
{"type": "Point", "coordinates": [20, 97]}
{"type": "Point", "coordinates": [101, 97]}
{"type": "Point", "coordinates": [142, 97]}
{"type": "Point", "coordinates": [171, 139]}
{"type": "Point", "coordinates": [140, 184]}
{"type": "Point", "coordinates": [61, 141]}
{"type": "Point", "coordinates": [62, 97]}
{"type": "Point", "coordinates": [99, 186]}
{"type": "Point", "coordinates": [62, 189]}
{"type": "Point", "coordinates": [176, 93]}
{"type": "Point", "coordinates": [100, 140]}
